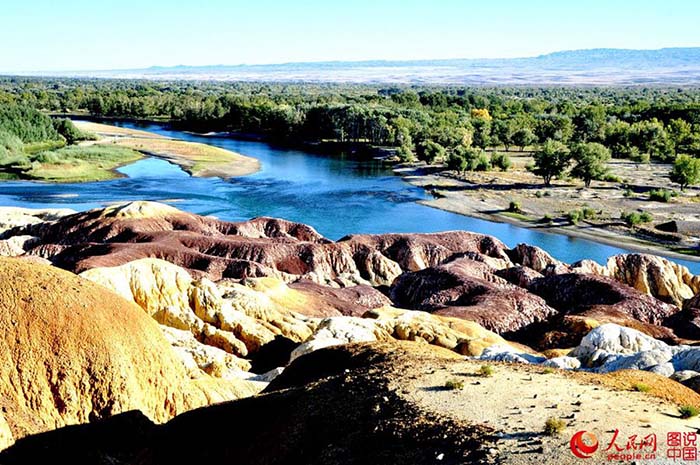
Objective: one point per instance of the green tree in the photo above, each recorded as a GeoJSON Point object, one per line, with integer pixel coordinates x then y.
{"type": "Point", "coordinates": [67, 129]}
{"type": "Point", "coordinates": [681, 134]}
{"type": "Point", "coordinates": [555, 127]}
{"type": "Point", "coordinates": [457, 162]}
{"type": "Point", "coordinates": [651, 137]}
{"type": "Point", "coordinates": [551, 160]}
{"type": "Point", "coordinates": [430, 151]}
{"type": "Point", "coordinates": [524, 137]}
{"type": "Point", "coordinates": [406, 154]}
{"type": "Point", "coordinates": [481, 136]}
{"type": "Point", "coordinates": [590, 161]}
{"type": "Point", "coordinates": [590, 124]}
{"type": "Point", "coordinates": [501, 161]}
{"type": "Point", "coordinates": [686, 171]}
{"type": "Point", "coordinates": [617, 138]}
{"type": "Point", "coordinates": [502, 131]}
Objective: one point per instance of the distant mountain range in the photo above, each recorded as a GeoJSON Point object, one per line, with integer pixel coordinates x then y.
{"type": "Point", "coordinates": [676, 66]}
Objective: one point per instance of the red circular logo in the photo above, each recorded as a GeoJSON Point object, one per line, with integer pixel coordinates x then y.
{"type": "Point", "coordinates": [583, 449]}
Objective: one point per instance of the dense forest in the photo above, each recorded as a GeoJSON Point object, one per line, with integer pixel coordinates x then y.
{"type": "Point", "coordinates": [450, 124]}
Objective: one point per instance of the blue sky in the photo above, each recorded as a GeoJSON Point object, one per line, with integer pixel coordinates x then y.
{"type": "Point", "coordinates": [109, 34]}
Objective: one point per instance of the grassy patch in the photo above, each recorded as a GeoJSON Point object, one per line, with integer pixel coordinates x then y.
{"type": "Point", "coordinates": [554, 426]}
{"type": "Point", "coordinates": [454, 385]}
{"type": "Point", "coordinates": [635, 218]}
{"type": "Point", "coordinates": [80, 163]}
{"type": "Point", "coordinates": [37, 147]}
{"type": "Point", "coordinates": [688, 251]}
{"type": "Point", "coordinates": [641, 387]}
{"type": "Point", "coordinates": [688, 411]}
{"type": "Point", "coordinates": [516, 216]}
{"type": "Point", "coordinates": [486, 371]}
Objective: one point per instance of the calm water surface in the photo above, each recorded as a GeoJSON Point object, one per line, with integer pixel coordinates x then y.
{"type": "Point", "coordinates": [335, 195]}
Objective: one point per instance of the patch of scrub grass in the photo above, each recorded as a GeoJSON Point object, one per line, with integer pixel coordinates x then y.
{"type": "Point", "coordinates": [517, 216]}
{"type": "Point", "coordinates": [554, 426]}
{"type": "Point", "coordinates": [37, 147]}
{"type": "Point", "coordinates": [636, 218]}
{"type": "Point", "coordinates": [574, 216]}
{"type": "Point", "coordinates": [486, 371]}
{"type": "Point", "coordinates": [81, 163]}
{"type": "Point", "coordinates": [641, 387]}
{"type": "Point", "coordinates": [662, 195]}
{"type": "Point", "coordinates": [454, 385]}
{"type": "Point", "coordinates": [688, 411]}
{"type": "Point", "coordinates": [548, 371]}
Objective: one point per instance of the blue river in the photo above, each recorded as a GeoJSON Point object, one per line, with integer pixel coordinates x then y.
{"type": "Point", "coordinates": [336, 195]}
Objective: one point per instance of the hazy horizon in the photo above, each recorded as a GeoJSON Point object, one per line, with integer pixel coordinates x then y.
{"type": "Point", "coordinates": [376, 60]}
{"type": "Point", "coordinates": [79, 35]}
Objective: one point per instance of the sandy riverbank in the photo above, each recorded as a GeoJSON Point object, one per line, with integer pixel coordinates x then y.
{"type": "Point", "coordinates": [197, 159]}
{"type": "Point", "coordinates": [465, 198]}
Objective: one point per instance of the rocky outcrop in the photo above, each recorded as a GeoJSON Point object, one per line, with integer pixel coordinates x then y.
{"type": "Point", "coordinates": [16, 245]}
{"type": "Point", "coordinates": [469, 289]}
{"type": "Point", "coordinates": [14, 217]}
{"type": "Point", "coordinates": [209, 331]}
{"type": "Point", "coordinates": [257, 248]}
{"type": "Point", "coordinates": [603, 299]}
{"type": "Point", "coordinates": [534, 258]}
{"type": "Point", "coordinates": [687, 322]}
{"type": "Point", "coordinates": [462, 336]}
{"type": "Point", "coordinates": [73, 352]}
{"type": "Point", "coordinates": [650, 274]}
{"type": "Point", "coordinates": [521, 293]}
{"type": "Point", "coordinates": [340, 331]}
{"type": "Point", "coordinates": [6, 436]}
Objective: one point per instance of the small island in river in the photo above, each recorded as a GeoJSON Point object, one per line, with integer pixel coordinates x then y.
{"type": "Point", "coordinates": [200, 160]}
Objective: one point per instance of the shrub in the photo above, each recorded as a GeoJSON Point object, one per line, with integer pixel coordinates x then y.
{"type": "Point", "coordinates": [574, 216]}
{"type": "Point", "coordinates": [548, 371]}
{"type": "Point", "coordinates": [501, 161]}
{"type": "Point", "coordinates": [627, 193]}
{"type": "Point", "coordinates": [609, 177]}
{"type": "Point", "coordinates": [515, 207]}
{"type": "Point", "coordinates": [454, 384]}
{"type": "Point", "coordinates": [554, 426]}
{"type": "Point", "coordinates": [547, 218]}
{"type": "Point", "coordinates": [589, 213]}
{"type": "Point", "coordinates": [645, 217]}
{"type": "Point", "coordinates": [539, 194]}
{"type": "Point", "coordinates": [48, 157]}
{"type": "Point", "coordinates": [481, 163]}
{"type": "Point", "coordinates": [660, 195]}
{"type": "Point", "coordinates": [486, 371]}
{"type": "Point", "coordinates": [686, 171]}
{"type": "Point", "coordinates": [456, 162]}
{"type": "Point", "coordinates": [688, 411]}
{"type": "Point", "coordinates": [635, 218]}
{"type": "Point", "coordinates": [641, 387]}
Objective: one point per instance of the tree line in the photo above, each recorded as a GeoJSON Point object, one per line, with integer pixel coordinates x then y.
{"type": "Point", "coordinates": [438, 123]}
{"type": "Point", "coordinates": [27, 135]}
